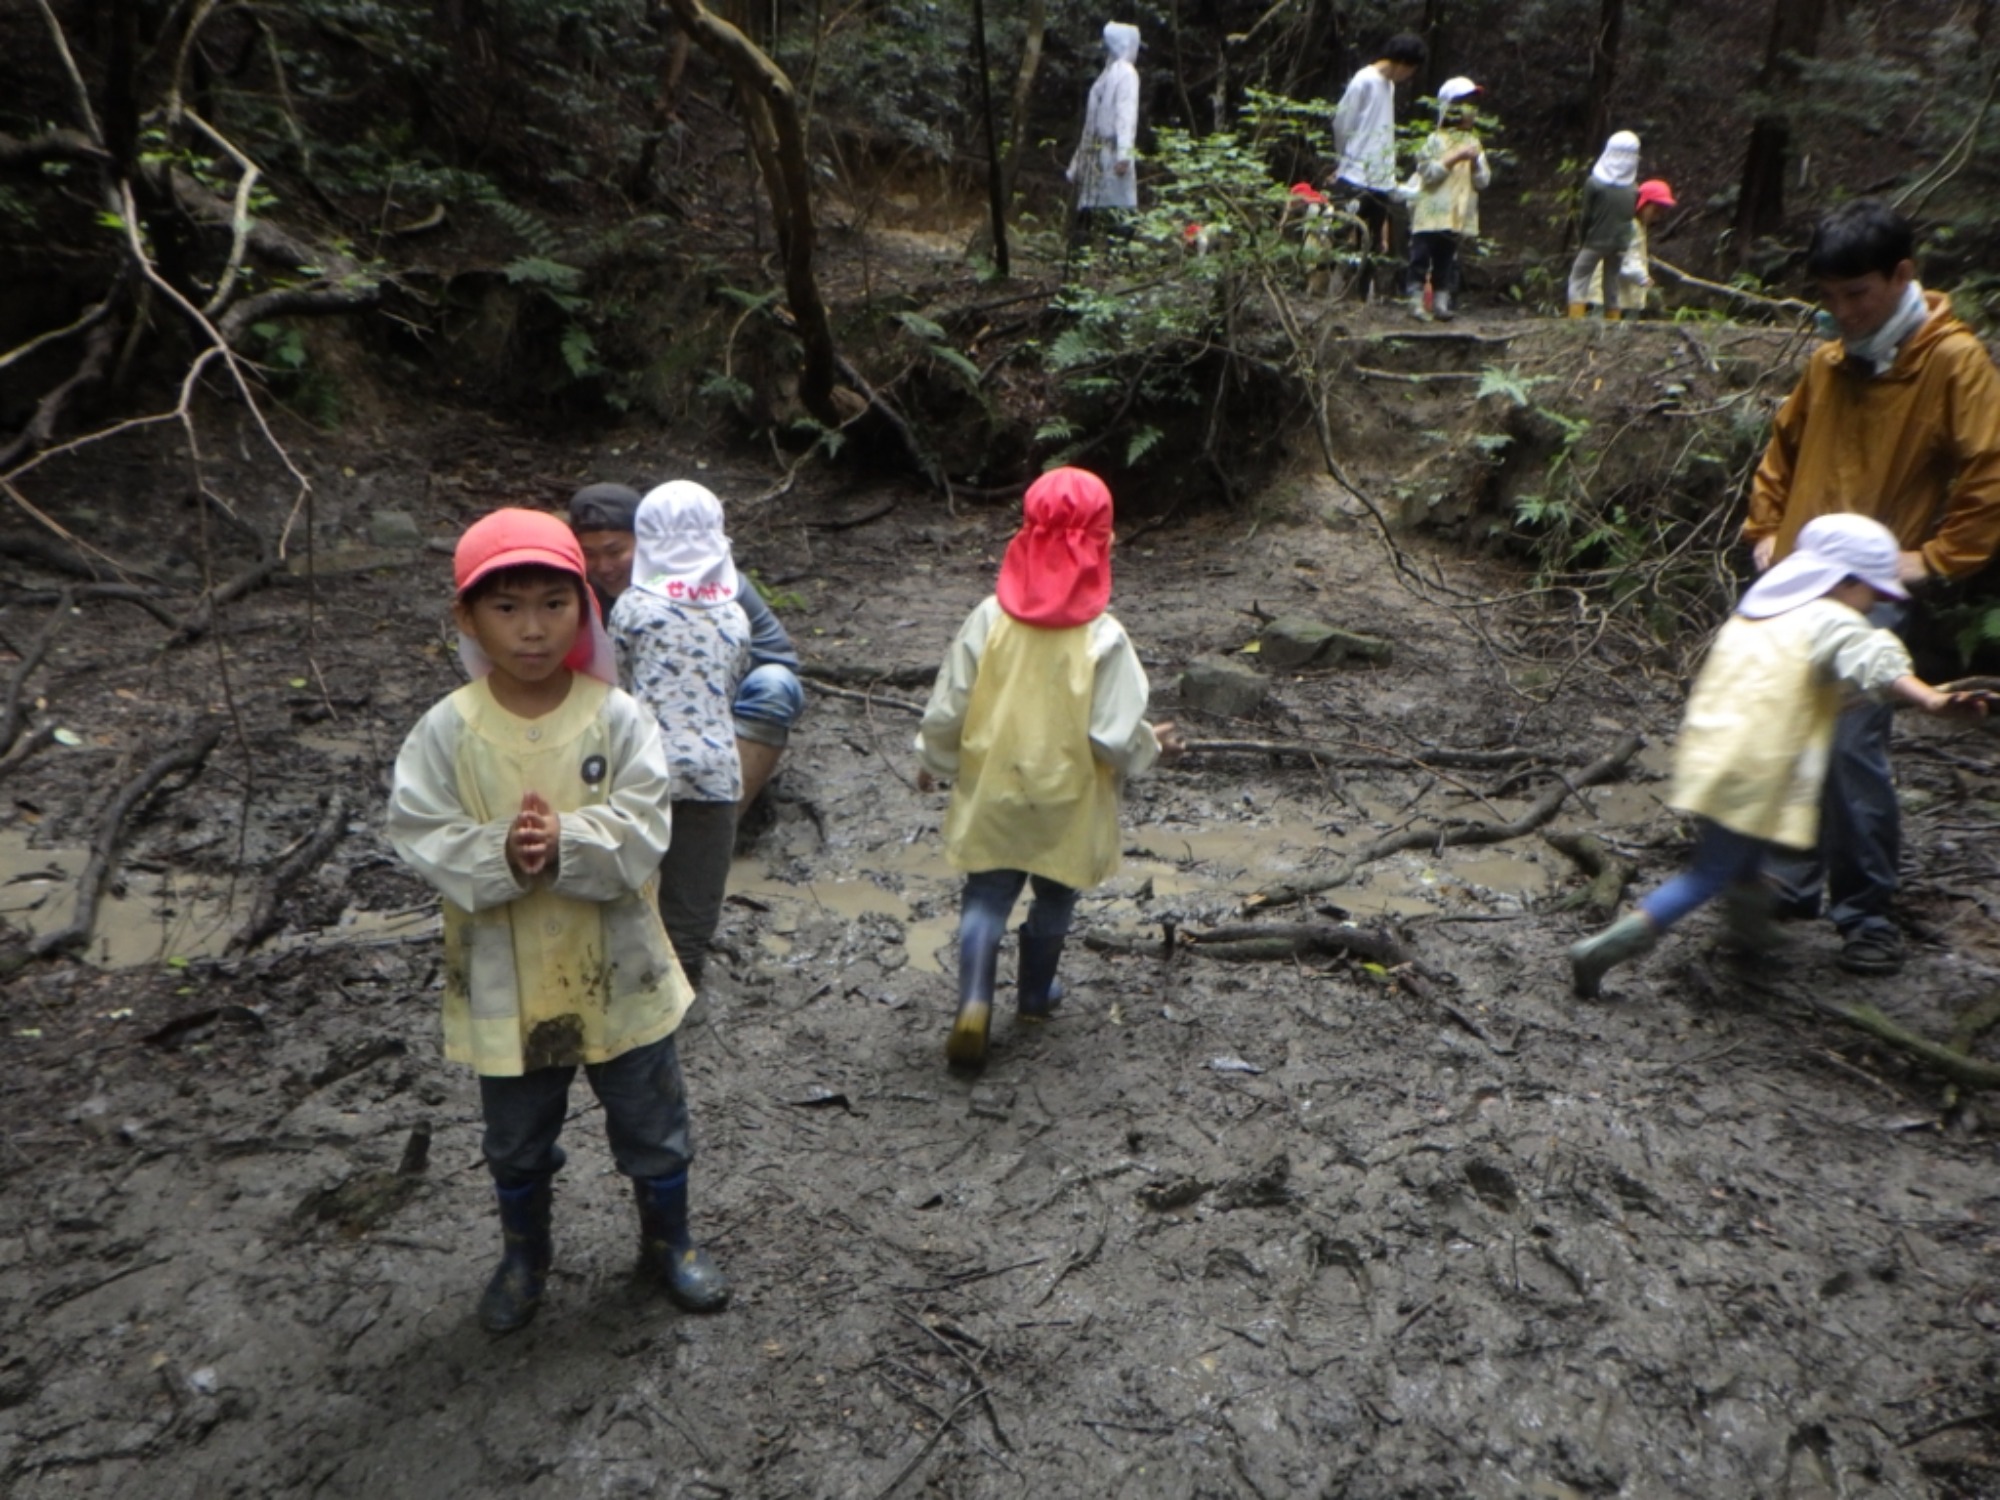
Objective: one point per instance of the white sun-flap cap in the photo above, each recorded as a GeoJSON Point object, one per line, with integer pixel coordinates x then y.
{"type": "Point", "coordinates": [1830, 549]}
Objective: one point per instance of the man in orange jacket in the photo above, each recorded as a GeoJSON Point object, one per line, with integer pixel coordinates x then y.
{"type": "Point", "coordinates": [1899, 420]}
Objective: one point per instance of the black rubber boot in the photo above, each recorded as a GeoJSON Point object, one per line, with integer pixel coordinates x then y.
{"type": "Point", "coordinates": [515, 1292]}
{"type": "Point", "coordinates": [977, 964]}
{"type": "Point", "coordinates": [1038, 992]}
{"type": "Point", "coordinates": [668, 1253]}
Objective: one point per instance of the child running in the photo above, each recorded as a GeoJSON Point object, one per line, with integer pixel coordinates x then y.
{"type": "Point", "coordinates": [1039, 712]}
{"type": "Point", "coordinates": [1610, 200]}
{"type": "Point", "coordinates": [1753, 748]}
{"type": "Point", "coordinates": [534, 799]}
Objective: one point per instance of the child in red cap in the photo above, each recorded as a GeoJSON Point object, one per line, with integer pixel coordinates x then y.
{"type": "Point", "coordinates": [535, 799]}
{"type": "Point", "coordinates": [1039, 712]}
{"type": "Point", "coordinates": [1635, 270]}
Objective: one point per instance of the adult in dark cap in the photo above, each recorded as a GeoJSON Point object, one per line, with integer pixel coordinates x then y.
{"type": "Point", "coordinates": [769, 700]}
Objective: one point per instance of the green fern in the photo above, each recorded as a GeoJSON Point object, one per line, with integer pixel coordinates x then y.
{"type": "Point", "coordinates": [1494, 381]}
{"type": "Point", "coordinates": [1142, 442]}
{"type": "Point", "coordinates": [922, 327]}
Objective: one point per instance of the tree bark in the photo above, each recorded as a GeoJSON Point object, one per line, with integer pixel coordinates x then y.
{"type": "Point", "coordinates": [996, 187]}
{"type": "Point", "coordinates": [1603, 74]}
{"type": "Point", "coordinates": [1760, 200]}
{"type": "Point", "coordinates": [771, 104]}
{"type": "Point", "coordinates": [1024, 84]}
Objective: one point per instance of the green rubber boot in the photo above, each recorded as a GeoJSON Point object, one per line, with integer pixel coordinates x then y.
{"type": "Point", "coordinates": [1594, 957]}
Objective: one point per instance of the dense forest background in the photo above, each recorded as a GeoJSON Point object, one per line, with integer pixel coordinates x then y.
{"type": "Point", "coordinates": [559, 200]}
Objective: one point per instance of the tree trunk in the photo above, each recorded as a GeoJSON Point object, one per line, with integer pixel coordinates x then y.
{"type": "Point", "coordinates": [996, 187]}
{"type": "Point", "coordinates": [772, 109]}
{"type": "Point", "coordinates": [1603, 74]}
{"type": "Point", "coordinates": [1024, 84]}
{"type": "Point", "coordinates": [1433, 35]}
{"type": "Point", "coordinates": [1760, 200]}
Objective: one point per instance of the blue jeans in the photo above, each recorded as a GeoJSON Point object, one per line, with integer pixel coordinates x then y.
{"type": "Point", "coordinates": [1860, 825]}
{"type": "Point", "coordinates": [987, 903]}
{"type": "Point", "coordinates": [768, 702]}
{"type": "Point", "coordinates": [645, 1115]}
{"type": "Point", "coordinates": [1722, 858]}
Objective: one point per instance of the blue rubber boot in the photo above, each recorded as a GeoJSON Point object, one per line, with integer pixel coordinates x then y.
{"type": "Point", "coordinates": [667, 1251]}
{"type": "Point", "coordinates": [978, 961]}
{"type": "Point", "coordinates": [1038, 992]}
{"type": "Point", "coordinates": [515, 1292]}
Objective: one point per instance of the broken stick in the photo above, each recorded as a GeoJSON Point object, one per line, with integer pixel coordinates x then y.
{"type": "Point", "coordinates": [104, 848]}
{"type": "Point", "coordinates": [1444, 835]}
{"type": "Point", "coordinates": [287, 872]}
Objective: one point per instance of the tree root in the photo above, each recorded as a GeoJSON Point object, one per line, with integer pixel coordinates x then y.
{"type": "Point", "coordinates": [287, 873]}
{"type": "Point", "coordinates": [1609, 874]}
{"type": "Point", "coordinates": [1966, 1072]}
{"type": "Point", "coordinates": [1446, 835]}
{"type": "Point", "coordinates": [13, 718]}
{"type": "Point", "coordinates": [110, 829]}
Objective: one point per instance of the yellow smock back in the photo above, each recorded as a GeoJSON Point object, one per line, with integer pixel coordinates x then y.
{"type": "Point", "coordinates": [1030, 793]}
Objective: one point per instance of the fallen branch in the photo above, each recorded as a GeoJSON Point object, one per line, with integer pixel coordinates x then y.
{"type": "Point", "coordinates": [1966, 1072]}
{"type": "Point", "coordinates": [1447, 835]}
{"type": "Point", "coordinates": [287, 873]}
{"type": "Point", "coordinates": [1369, 372]}
{"type": "Point", "coordinates": [12, 718]}
{"type": "Point", "coordinates": [197, 624]}
{"type": "Point", "coordinates": [1609, 875]}
{"type": "Point", "coordinates": [1736, 294]}
{"type": "Point", "coordinates": [104, 847]}
{"type": "Point", "coordinates": [902, 704]}
{"type": "Point", "coordinates": [33, 744]}
{"type": "Point", "coordinates": [122, 593]}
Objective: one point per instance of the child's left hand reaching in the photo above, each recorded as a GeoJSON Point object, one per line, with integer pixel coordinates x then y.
{"type": "Point", "coordinates": [534, 838]}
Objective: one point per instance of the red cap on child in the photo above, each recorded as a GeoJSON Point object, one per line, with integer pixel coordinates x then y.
{"type": "Point", "coordinates": [1057, 571]}
{"type": "Point", "coordinates": [515, 538]}
{"type": "Point", "coordinates": [1655, 190]}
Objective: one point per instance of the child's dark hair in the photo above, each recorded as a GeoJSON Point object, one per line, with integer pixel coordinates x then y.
{"type": "Point", "coordinates": [1405, 48]}
{"type": "Point", "coordinates": [521, 576]}
{"type": "Point", "coordinates": [1859, 238]}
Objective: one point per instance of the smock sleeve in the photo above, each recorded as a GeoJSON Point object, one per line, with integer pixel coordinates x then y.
{"type": "Point", "coordinates": [1856, 654]}
{"type": "Point", "coordinates": [1125, 111]}
{"type": "Point", "coordinates": [1482, 172]}
{"type": "Point", "coordinates": [464, 859]}
{"type": "Point", "coordinates": [1430, 161]}
{"type": "Point", "coordinates": [611, 848]}
{"type": "Point", "coordinates": [1119, 733]}
{"type": "Point", "coordinates": [944, 715]}
{"type": "Point", "coordinates": [769, 643]}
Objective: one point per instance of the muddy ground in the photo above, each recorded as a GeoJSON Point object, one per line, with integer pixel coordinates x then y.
{"type": "Point", "coordinates": [1273, 1229]}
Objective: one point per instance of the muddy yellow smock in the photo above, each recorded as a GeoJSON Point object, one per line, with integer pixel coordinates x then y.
{"type": "Point", "coordinates": [564, 969]}
{"type": "Point", "coordinates": [1753, 748]}
{"type": "Point", "coordinates": [1040, 728]}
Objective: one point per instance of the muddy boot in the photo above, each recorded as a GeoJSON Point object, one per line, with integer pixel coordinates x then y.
{"type": "Point", "coordinates": [668, 1253]}
{"type": "Point", "coordinates": [1417, 309]}
{"type": "Point", "coordinates": [977, 961]}
{"type": "Point", "coordinates": [1441, 305]}
{"type": "Point", "coordinates": [1579, 309]}
{"type": "Point", "coordinates": [1594, 957]}
{"type": "Point", "coordinates": [1038, 991]}
{"type": "Point", "coordinates": [1749, 919]}
{"type": "Point", "coordinates": [1613, 314]}
{"type": "Point", "coordinates": [515, 1291]}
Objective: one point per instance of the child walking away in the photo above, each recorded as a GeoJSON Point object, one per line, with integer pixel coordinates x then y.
{"type": "Point", "coordinates": [1635, 270]}
{"type": "Point", "coordinates": [1039, 712]}
{"type": "Point", "coordinates": [1451, 173]}
{"type": "Point", "coordinates": [535, 799]}
{"type": "Point", "coordinates": [1609, 202]}
{"type": "Point", "coordinates": [1753, 748]}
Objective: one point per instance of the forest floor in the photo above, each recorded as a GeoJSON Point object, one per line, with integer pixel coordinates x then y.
{"type": "Point", "coordinates": [1308, 1227]}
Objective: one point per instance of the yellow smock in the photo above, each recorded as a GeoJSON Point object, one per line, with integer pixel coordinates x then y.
{"type": "Point", "coordinates": [1753, 748]}
{"type": "Point", "coordinates": [571, 967]}
{"type": "Point", "coordinates": [1041, 728]}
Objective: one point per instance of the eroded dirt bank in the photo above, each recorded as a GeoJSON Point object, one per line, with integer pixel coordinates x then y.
{"type": "Point", "coordinates": [1226, 1228]}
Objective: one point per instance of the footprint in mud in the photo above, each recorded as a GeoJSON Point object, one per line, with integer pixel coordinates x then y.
{"type": "Point", "coordinates": [1493, 1187]}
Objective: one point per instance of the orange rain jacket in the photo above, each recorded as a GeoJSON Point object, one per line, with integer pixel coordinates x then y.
{"type": "Point", "coordinates": [1916, 447]}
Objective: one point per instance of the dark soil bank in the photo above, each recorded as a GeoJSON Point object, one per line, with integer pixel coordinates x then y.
{"type": "Point", "coordinates": [1310, 1227]}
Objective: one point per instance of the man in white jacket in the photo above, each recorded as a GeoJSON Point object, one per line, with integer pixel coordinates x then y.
{"type": "Point", "coordinates": [1364, 133]}
{"type": "Point", "coordinates": [1102, 167]}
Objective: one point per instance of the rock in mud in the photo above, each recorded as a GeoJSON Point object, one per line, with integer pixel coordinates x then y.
{"type": "Point", "coordinates": [1295, 641]}
{"type": "Point", "coordinates": [394, 528]}
{"type": "Point", "coordinates": [1222, 688]}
